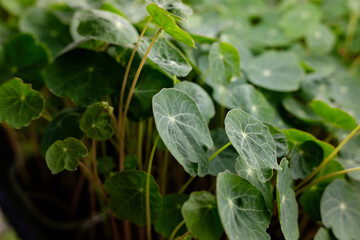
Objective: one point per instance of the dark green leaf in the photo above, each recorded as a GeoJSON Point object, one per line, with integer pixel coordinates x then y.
{"type": "Point", "coordinates": [280, 141]}
{"type": "Point", "coordinates": [65, 155]}
{"type": "Point", "coordinates": [19, 103]}
{"type": "Point", "coordinates": [105, 165]}
{"type": "Point", "coordinates": [130, 162]}
{"type": "Point", "coordinates": [201, 216]}
{"type": "Point", "coordinates": [127, 196]}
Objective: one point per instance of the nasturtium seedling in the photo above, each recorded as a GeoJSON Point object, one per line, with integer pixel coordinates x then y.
{"type": "Point", "coordinates": [96, 122]}
{"type": "Point", "coordinates": [340, 209]}
{"type": "Point", "coordinates": [253, 141]}
{"type": "Point", "coordinates": [105, 165]}
{"type": "Point", "coordinates": [175, 7]}
{"type": "Point", "coordinates": [106, 26]}
{"type": "Point", "coordinates": [80, 74]}
{"type": "Point", "coordinates": [166, 56]}
{"type": "Point", "coordinates": [276, 71]}
{"type": "Point", "coordinates": [25, 58]}
{"type": "Point", "coordinates": [242, 208]}
{"type": "Point", "coordinates": [320, 39]}
{"type": "Point", "coordinates": [165, 20]}
{"type": "Point", "coordinates": [127, 196]}
{"type": "Point", "coordinates": [268, 35]}
{"type": "Point", "coordinates": [19, 103]}
{"type": "Point", "coordinates": [224, 63]}
{"type": "Point", "coordinates": [286, 202]}
{"type": "Point", "coordinates": [201, 216]}
{"type": "Point", "coordinates": [183, 129]}
{"type": "Point", "coordinates": [65, 155]}
{"type": "Point", "coordinates": [300, 110]}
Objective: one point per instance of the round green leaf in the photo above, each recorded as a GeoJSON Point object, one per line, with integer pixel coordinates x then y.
{"type": "Point", "coordinates": [65, 155]}
{"type": "Point", "coordinates": [106, 26]}
{"type": "Point", "coordinates": [320, 39]}
{"type": "Point", "coordinates": [242, 208]}
{"type": "Point", "coordinates": [47, 28]}
{"type": "Point", "coordinates": [127, 196]}
{"type": "Point", "coordinates": [131, 162]}
{"type": "Point", "coordinates": [299, 20]}
{"type": "Point", "coordinates": [226, 159]}
{"type": "Point", "coordinates": [324, 234]}
{"type": "Point", "coordinates": [166, 21]}
{"type": "Point", "coordinates": [277, 71]}
{"type": "Point", "coordinates": [201, 216]}
{"type": "Point", "coordinates": [305, 157]}
{"type": "Point", "coordinates": [19, 103]}
{"type": "Point", "coordinates": [253, 141]}
{"type": "Point", "coordinates": [170, 215]}
{"type": "Point", "coordinates": [24, 58]}
{"type": "Point", "coordinates": [105, 165]}
{"type": "Point", "coordinates": [334, 116]}
{"type": "Point", "coordinates": [202, 99]}
{"type": "Point", "coordinates": [64, 124]}
{"type": "Point", "coordinates": [96, 122]}
{"type": "Point", "coordinates": [340, 210]}
{"type": "Point", "coordinates": [183, 130]}
{"type": "Point", "coordinates": [300, 110]}
{"type": "Point", "coordinates": [286, 202]}
{"type": "Point", "coordinates": [268, 35]}
{"type": "Point", "coordinates": [84, 76]}
{"type": "Point", "coordinates": [250, 100]}
{"type": "Point", "coordinates": [167, 57]}
{"type": "Point", "coordinates": [224, 63]}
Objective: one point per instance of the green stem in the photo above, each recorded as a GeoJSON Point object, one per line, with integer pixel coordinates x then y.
{"type": "Point", "coordinates": [121, 99]}
{"type": "Point", "coordinates": [140, 144]}
{"type": "Point", "coordinates": [354, 66]}
{"type": "Point", "coordinates": [183, 188]}
{"type": "Point", "coordinates": [176, 229]}
{"type": "Point", "coordinates": [323, 178]}
{"type": "Point", "coordinates": [164, 172]}
{"type": "Point", "coordinates": [147, 191]}
{"type": "Point", "coordinates": [354, 16]}
{"type": "Point", "coordinates": [219, 151]}
{"type": "Point", "coordinates": [331, 156]}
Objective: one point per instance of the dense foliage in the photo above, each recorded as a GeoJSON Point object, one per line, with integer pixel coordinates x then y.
{"type": "Point", "coordinates": [239, 121]}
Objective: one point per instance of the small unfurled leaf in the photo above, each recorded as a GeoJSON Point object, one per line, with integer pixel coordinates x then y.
{"type": "Point", "coordinates": [96, 122]}
{"type": "Point", "coordinates": [201, 216]}
{"type": "Point", "coordinates": [340, 210]}
{"type": "Point", "coordinates": [24, 58]}
{"type": "Point", "coordinates": [105, 165]}
{"type": "Point", "coordinates": [202, 99]}
{"type": "Point", "coordinates": [175, 7]}
{"type": "Point", "coordinates": [130, 162]}
{"type": "Point", "coordinates": [286, 202]}
{"type": "Point", "coordinates": [334, 116]}
{"type": "Point", "coordinates": [253, 141]}
{"type": "Point", "coordinates": [183, 130]}
{"type": "Point", "coordinates": [305, 157]}
{"type": "Point", "coordinates": [224, 63]}
{"type": "Point", "coordinates": [80, 74]}
{"type": "Point", "coordinates": [19, 103]}
{"type": "Point", "coordinates": [170, 215]}
{"type": "Point", "coordinates": [127, 196]}
{"type": "Point", "coordinates": [242, 208]}
{"type": "Point", "coordinates": [64, 124]}
{"type": "Point", "coordinates": [276, 71]}
{"type": "Point", "coordinates": [166, 56]}
{"type": "Point", "coordinates": [65, 155]}
{"type": "Point", "coordinates": [224, 160]}
{"type": "Point", "coordinates": [165, 20]}
{"type": "Point", "coordinates": [106, 26]}
{"type": "Point", "coordinates": [47, 27]}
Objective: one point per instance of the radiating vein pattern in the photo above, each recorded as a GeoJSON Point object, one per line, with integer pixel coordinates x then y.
{"type": "Point", "coordinates": [253, 141]}
{"type": "Point", "coordinates": [183, 129]}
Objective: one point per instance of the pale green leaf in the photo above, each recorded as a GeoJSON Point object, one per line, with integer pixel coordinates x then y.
{"type": "Point", "coordinates": [175, 7]}
{"type": "Point", "coordinates": [320, 39]}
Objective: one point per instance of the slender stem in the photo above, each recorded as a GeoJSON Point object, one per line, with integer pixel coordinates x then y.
{"type": "Point", "coordinates": [354, 66]}
{"type": "Point", "coordinates": [188, 182]}
{"type": "Point", "coordinates": [176, 229]}
{"type": "Point", "coordinates": [183, 236]}
{"type": "Point", "coordinates": [121, 100]}
{"type": "Point", "coordinates": [95, 169]}
{"type": "Point", "coordinates": [137, 75]}
{"type": "Point", "coordinates": [46, 117]}
{"type": "Point", "coordinates": [332, 154]}
{"type": "Point", "coordinates": [219, 151]}
{"type": "Point", "coordinates": [140, 144]}
{"type": "Point", "coordinates": [323, 178]}
{"type": "Point", "coordinates": [164, 172]}
{"type": "Point", "coordinates": [149, 137]}
{"type": "Point", "coordinates": [354, 15]}
{"type": "Point", "coordinates": [147, 191]}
